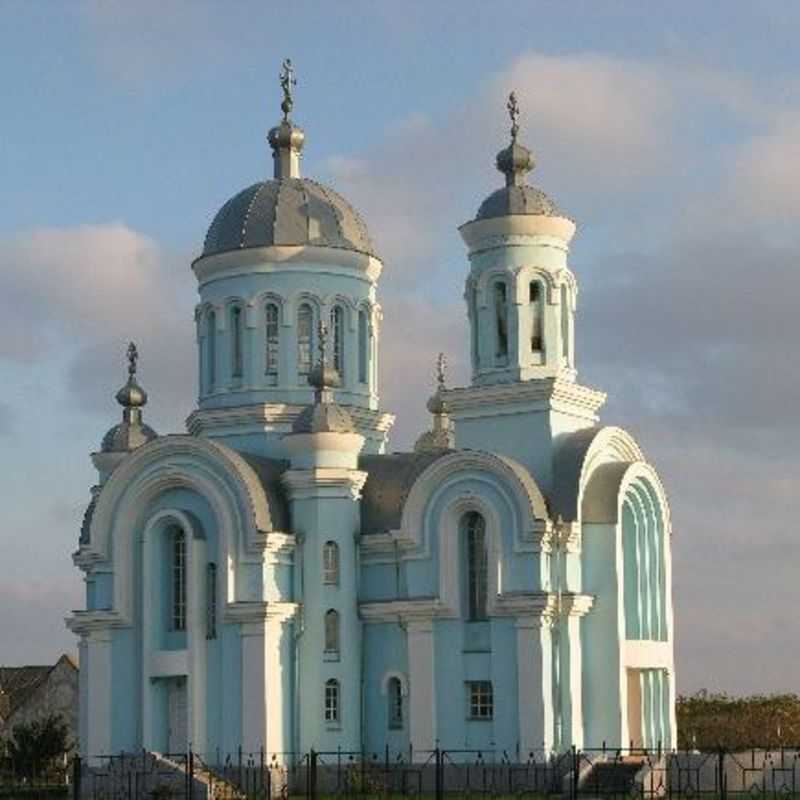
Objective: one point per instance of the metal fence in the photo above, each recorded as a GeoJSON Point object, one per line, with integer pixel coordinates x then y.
{"type": "Point", "coordinates": [443, 774]}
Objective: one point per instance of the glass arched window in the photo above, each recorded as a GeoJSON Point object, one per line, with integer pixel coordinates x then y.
{"type": "Point", "coordinates": [272, 341]}
{"type": "Point", "coordinates": [395, 699]}
{"type": "Point", "coordinates": [363, 344]}
{"type": "Point", "coordinates": [337, 329]}
{"type": "Point", "coordinates": [305, 333]}
{"type": "Point", "coordinates": [330, 563]}
{"type": "Point", "coordinates": [211, 348]}
{"type": "Point", "coordinates": [237, 356]}
{"type": "Point", "coordinates": [477, 566]}
{"type": "Point", "coordinates": [211, 601]}
{"type": "Point", "coordinates": [501, 320]}
{"type": "Point", "coordinates": [178, 580]}
{"type": "Point", "coordinates": [332, 632]}
{"type": "Point", "coordinates": [535, 301]}
{"type": "Point", "coordinates": [564, 323]}
{"type": "Point", "coordinates": [473, 314]}
{"type": "Point", "coordinates": [332, 700]}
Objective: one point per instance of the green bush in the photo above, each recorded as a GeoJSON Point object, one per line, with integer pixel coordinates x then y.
{"type": "Point", "coordinates": [34, 747]}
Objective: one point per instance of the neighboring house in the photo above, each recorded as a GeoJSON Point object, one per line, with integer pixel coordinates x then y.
{"type": "Point", "coordinates": [273, 578]}
{"type": "Point", "coordinates": [30, 693]}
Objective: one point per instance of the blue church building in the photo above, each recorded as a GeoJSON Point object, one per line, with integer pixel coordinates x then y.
{"type": "Point", "coordinates": [274, 578]}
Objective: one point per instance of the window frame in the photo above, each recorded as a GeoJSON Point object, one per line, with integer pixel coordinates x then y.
{"type": "Point", "coordinates": [305, 341]}
{"type": "Point", "coordinates": [332, 635]}
{"type": "Point", "coordinates": [477, 566]}
{"type": "Point", "coordinates": [330, 563]}
{"type": "Point", "coordinates": [272, 340]}
{"type": "Point", "coordinates": [211, 600]}
{"type": "Point", "coordinates": [178, 580]}
{"type": "Point", "coordinates": [480, 701]}
{"type": "Point", "coordinates": [237, 342]}
{"type": "Point", "coordinates": [395, 705]}
{"type": "Point", "coordinates": [331, 703]}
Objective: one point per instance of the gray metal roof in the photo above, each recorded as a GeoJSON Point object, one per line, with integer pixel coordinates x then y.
{"type": "Point", "coordinates": [390, 480]}
{"type": "Point", "coordinates": [127, 436]}
{"type": "Point", "coordinates": [517, 199]}
{"type": "Point", "coordinates": [289, 211]}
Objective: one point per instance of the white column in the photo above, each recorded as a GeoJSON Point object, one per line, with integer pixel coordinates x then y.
{"type": "Point", "coordinates": [573, 683]}
{"type": "Point", "coordinates": [422, 687]}
{"type": "Point", "coordinates": [97, 650]}
{"type": "Point", "coordinates": [534, 685]}
{"type": "Point", "coordinates": [254, 686]}
{"type": "Point", "coordinates": [277, 675]}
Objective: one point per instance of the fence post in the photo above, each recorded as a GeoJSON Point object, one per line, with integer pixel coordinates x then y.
{"type": "Point", "coordinates": [439, 774]}
{"type": "Point", "coordinates": [722, 783]}
{"type": "Point", "coordinates": [76, 777]}
{"type": "Point", "coordinates": [575, 770]}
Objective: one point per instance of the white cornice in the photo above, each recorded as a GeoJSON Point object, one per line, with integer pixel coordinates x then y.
{"type": "Point", "coordinates": [259, 611]}
{"type": "Point", "coordinates": [83, 623]}
{"type": "Point", "coordinates": [281, 258]}
{"type": "Point", "coordinates": [513, 398]}
{"type": "Point", "coordinates": [275, 417]}
{"type": "Point", "coordinates": [324, 481]}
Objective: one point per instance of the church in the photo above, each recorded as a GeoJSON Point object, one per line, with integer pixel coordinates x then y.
{"type": "Point", "coordinates": [274, 578]}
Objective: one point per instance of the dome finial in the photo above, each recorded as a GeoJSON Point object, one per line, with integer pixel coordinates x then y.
{"type": "Point", "coordinates": [323, 377]}
{"type": "Point", "coordinates": [515, 160]}
{"type": "Point", "coordinates": [288, 82]}
{"type": "Point", "coordinates": [441, 436]}
{"type": "Point", "coordinates": [513, 112]}
{"type": "Point", "coordinates": [286, 139]}
{"type": "Point", "coordinates": [131, 395]}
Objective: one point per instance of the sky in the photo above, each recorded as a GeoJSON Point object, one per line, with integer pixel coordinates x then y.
{"type": "Point", "coordinates": [670, 132]}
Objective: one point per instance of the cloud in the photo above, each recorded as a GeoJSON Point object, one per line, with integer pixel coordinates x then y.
{"type": "Point", "coordinates": [7, 416]}
{"type": "Point", "coordinates": [83, 293]}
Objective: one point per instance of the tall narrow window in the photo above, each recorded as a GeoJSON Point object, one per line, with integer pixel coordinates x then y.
{"type": "Point", "coordinates": [178, 580]}
{"type": "Point", "coordinates": [211, 335]}
{"type": "Point", "coordinates": [480, 700]}
{"type": "Point", "coordinates": [564, 323]}
{"type": "Point", "coordinates": [237, 357]}
{"type": "Point", "coordinates": [211, 601]}
{"type": "Point", "coordinates": [473, 321]}
{"type": "Point", "coordinates": [332, 632]}
{"type": "Point", "coordinates": [305, 328]}
{"type": "Point", "coordinates": [536, 316]}
{"type": "Point", "coordinates": [330, 563]}
{"type": "Point", "coordinates": [272, 341]}
{"type": "Point", "coordinates": [337, 328]}
{"type": "Point", "coordinates": [395, 700]}
{"type": "Point", "coordinates": [363, 344]}
{"type": "Point", "coordinates": [501, 320]}
{"type": "Point", "coordinates": [332, 701]}
{"type": "Point", "coordinates": [477, 566]}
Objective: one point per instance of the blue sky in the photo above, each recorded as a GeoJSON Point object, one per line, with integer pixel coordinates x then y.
{"type": "Point", "coordinates": [668, 131]}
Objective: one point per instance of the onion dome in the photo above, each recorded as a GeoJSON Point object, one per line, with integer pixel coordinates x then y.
{"type": "Point", "coordinates": [517, 196]}
{"type": "Point", "coordinates": [441, 436]}
{"type": "Point", "coordinates": [324, 416]}
{"type": "Point", "coordinates": [289, 210]}
{"type": "Point", "coordinates": [131, 432]}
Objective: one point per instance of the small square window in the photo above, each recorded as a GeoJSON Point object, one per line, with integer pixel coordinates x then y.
{"type": "Point", "coordinates": [480, 700]}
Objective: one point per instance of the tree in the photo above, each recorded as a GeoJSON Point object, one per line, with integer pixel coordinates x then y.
{"type": "Point", "coordinates": [34, 746]}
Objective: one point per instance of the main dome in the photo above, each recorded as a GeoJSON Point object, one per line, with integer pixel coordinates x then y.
{"type": "Point", "coordinates": [287, 211]}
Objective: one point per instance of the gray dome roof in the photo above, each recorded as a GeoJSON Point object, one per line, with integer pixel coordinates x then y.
{"type": "Point", "coordinates": [287, 211]}
{"type": "Point", "coordinates": [516, 199]}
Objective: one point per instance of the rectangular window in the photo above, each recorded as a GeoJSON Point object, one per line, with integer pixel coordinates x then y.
{"type": "Point", "coordinates": [179, 581]}
{"type": "Point", "coordinates": [272, 340]}
{"type": "Point", "coordinates": [332, 702]}
{"type": "Point", "coordinates": [211, 622]}
{"type": "Point", "coordinates": [480, 700]}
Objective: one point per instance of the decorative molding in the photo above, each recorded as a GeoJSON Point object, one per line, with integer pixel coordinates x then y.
{"type": "Point", "coordinates": [259, 612]}
{"type": "Point", "coordinates": [84, 623]}
{"type": "Point", "coordinates": [475, 402]}
{"type": "Point", "coordinates": [303, 484]}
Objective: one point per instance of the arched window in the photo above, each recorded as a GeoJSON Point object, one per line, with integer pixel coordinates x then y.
{"type": "Point", "coordinates": [332, 632]}
{"type": "Point", "coordinates": [473, 319]}
{"type": "Point", "coordinates": [305, 333]}
{"type": "Point", "coordinates": [178, 580]}
{"type": "Point", "coordinates": [564, 323]}
{"type": "Point", "coordinates": [477, 566]}
{"type": "Point", "coordinates": [337, 328]}
{"type": "Point", "coordinates": [394, 691]}
{"type": "Point", "coordinates": [237, 357]}
{"type": "Point", "coordinates": [332, 701]}
{"type": "Point", "coordinates": [363, 336]}
{"type": "Point", "coordinates": [211, 601]}
{"type": "Point", "coordinates": [501, 320]}
{"type": "Point", "coordinates": [535, 301]}
{"type": "Point", "coordinates": [330, 563]}
{"type": "Point", "coordinates": [272, 341]}
{"type": "Point", "coordinates": [211, 347]}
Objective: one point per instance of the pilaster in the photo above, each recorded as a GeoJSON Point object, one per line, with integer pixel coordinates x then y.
{"type": "Point", "coordinates": [422, 684]}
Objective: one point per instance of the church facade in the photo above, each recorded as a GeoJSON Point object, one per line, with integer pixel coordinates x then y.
{"type": "Point", "coordinates": [273, 578]}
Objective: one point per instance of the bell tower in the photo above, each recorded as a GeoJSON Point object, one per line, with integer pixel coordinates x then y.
{"type": "Point", "coordinates": [520, 295]}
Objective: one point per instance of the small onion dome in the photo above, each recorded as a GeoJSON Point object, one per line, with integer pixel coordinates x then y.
{"type": "Point", "coordinates": [324, 416]}
{"type": "Point", "coordinates": [131, 432]}
{"type": "Point", "coordinates": [516, 197]}
{"type": "Point", "coordinates": [441, 436]}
